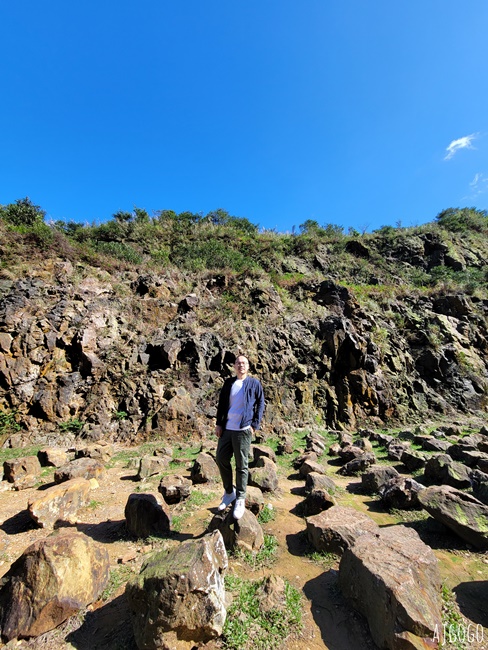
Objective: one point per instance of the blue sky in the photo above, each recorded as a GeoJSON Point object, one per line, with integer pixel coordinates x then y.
{"type": "Point", "coordinates": [356, 113]}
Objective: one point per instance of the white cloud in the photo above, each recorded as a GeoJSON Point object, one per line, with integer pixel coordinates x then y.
{"type": "Point", "coordinates": [460, 143]}
{"type": "Point", "coordinates": [479, 185]}
{"type": "Point", "coordinates": [477, 178]}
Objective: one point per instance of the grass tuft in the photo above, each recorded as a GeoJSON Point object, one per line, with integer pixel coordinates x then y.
{"type": "Point", "coordinates": [248, 625]}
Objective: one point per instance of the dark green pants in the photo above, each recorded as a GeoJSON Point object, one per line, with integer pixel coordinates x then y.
{"type": "Point", "coordinates": [237, 444]}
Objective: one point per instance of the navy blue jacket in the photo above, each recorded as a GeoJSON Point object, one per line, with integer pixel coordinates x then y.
{"type": "Point", "coordinates": [253, 403]}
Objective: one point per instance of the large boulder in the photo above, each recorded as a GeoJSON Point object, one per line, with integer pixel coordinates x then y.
{"type": "Point", "coordinates": [152, 466]}
{"type": "Point", "coordinates": [392, 578]}
{"type": "Point", "coordinates": [60, 503]}
{"type": "Point", "coordinates": [52, 580]}
{"type": "Point", "coordinates": [350, 452]}
{"type": "Point", "coordinates": [402, 493]}
{"type": "Point", "coordinates": [245, 533]}
{"type": "Point", "coordinates": [308, 466]}
{"type": "Point", "coordinates": [102, 451]}
{"type": "Point", "coordinates": [80, 468]}
{"type": "Point", "coordinates": [254, 499]}
{"type": "Point", "coordinates": [358, 465]}
{"type": "Point", "coordinates": [376, 476]}
{"type": "Point", "coordinates": [52, 457]}
{"type": "Point", "coordinates": [204, 469]}
{"type": "Point", "coordinates": [22, 472]}
{"type": "Point", "coordinates": [262, 450]}
{"type": "Point", "coordinates": [316, 501]}
{"type": "Point", "coordinates": [441, 469]}
{"type": "Point", "coordinates": [459, 511]}
{"type": "Point", "coordinates": [395, 449]}
{"type": "Point", "coordinates": [413, 459]}
{"type": "Point", "coordinates": [335, 529]}
{"type": "Point", "coordinates": [174, 488]}
{"type": "Point", "coordinates": [316, 481]}
{"type": "Point", "coordinates": [264, 476]}
{"type": "Point", "coordinates": [180, 595]}
{"type": "Point", "coordinates": [146, 515]}
{"type": "Point", "coordinates": [480, 485]}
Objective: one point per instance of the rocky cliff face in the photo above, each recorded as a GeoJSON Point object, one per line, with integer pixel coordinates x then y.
{"type": "Point", "coordinates": [131, 355]}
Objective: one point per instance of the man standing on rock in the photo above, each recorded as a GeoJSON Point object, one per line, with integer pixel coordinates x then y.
{"type": "Point", "coordinates": [239, 414]}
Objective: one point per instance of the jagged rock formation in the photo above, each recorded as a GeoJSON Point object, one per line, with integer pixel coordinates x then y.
{"type": "Point", "coordinates": [126, 355]}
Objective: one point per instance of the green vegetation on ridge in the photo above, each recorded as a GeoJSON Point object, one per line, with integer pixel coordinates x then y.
{"type": "Point", "coordinates": [387, 259]}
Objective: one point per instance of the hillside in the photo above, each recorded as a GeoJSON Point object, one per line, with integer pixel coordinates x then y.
{"type": "Point", "coordinates": [126, 330]}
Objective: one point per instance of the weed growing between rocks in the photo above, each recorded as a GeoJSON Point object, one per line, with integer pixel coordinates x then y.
{"type": "Point", "coordinates": [265, 557]}
{"type": "Point", "coordinates": [117, 578]}
{"type": "Point", "coordinates": [8, 425]}
{"type": "Point", "coordinates": [267, 514]}
{"type": "Point", "coordinates": [453, 634]}
{"type": "Point", "coordinates": [324, 559]}
{"type": "Point", "coordinates": [196, 500]}
{"type": "Point", "coordinates": [250, 625]}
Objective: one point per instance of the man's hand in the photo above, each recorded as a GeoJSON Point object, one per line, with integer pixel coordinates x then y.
{"type": "Point", "coordinates": [218, 431]}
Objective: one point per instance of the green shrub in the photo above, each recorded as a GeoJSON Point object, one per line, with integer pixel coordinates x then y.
{"type": "Point", "coordinates": [120, 251]}
{"type": "Point", "coordinates": [22, 213]}
{"type": "Point", "coordinates": [210, 254]}
{"type": "Point", "coordinates": [462, 219]}
{"type": "Point", "coordinates": [8, 425]}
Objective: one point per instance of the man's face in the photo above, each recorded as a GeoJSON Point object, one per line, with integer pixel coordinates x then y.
{"type": "Point", "coordinates": [241, 366]}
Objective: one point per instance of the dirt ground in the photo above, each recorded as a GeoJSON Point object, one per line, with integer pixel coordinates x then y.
{"type": "Point", "coordinates": [328, 621]}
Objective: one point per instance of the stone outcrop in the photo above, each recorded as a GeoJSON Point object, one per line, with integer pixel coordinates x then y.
{"type": "Point", "coordinates": [133, 356]}
{"type": "Point", "coordinates": [392, 578]}
{"type": "Point", "coordinates": [459, 511]}
{"type": "Point", "coordinates": [180, 595]}
{"type": "Point", "coordinates": [51, 581]}
{"type": "Point", "coordinates": [480, 485]}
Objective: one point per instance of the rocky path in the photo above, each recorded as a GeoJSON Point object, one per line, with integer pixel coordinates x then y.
{"type": "Point", "coordinates": [328, 621]}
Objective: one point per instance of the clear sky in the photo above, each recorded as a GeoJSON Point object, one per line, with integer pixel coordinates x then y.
{"type": "Point", "coordinates": [350, 112]}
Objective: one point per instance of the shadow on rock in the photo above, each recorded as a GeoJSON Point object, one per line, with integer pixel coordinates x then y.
{"type": "Point", "coordinates": [375, 505]}
{"type": "Point", "coordinates": [472, 598]}
{"type": "Point", "coordinates": [19, 523]}
{"type": "Point", "coordinates": [46, 486]}
{"type": "Point", "coordinates": [98, 631]}
{"type": "Point", "coordinates": [298, 544]}
{"type": "Point", "coordinates": [296, 476]}
{"type": "Point", "coordinates": [106, 532]}
{"type": "Point", "coordinates": [436, 535]}
{"type": "Point", "coordinates": [340, 626]}
{"type": "Point", "coordinates": [299, 491]}
{"type": "Point", "coordinates": [355, 487]}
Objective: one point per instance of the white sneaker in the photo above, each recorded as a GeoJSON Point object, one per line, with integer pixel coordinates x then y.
{"type": "Point", "coordinates": [239, 508]}
{"type": "Point", "coordinates": [227, 500]}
